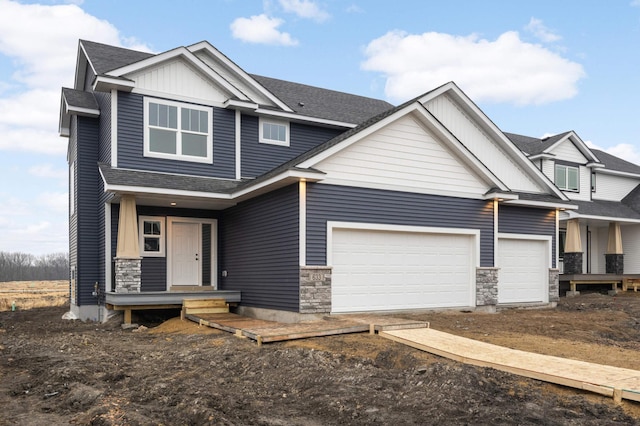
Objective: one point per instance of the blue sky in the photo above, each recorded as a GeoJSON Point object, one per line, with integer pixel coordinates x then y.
{"type": "Point", "coordinates": [534, 67]}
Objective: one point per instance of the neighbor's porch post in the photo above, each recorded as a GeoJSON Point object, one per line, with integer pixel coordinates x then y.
{"type": "Point", "coordinates": [573, 248]}
{"type": "Point", "coordinates": [128, 260]}
{"type": "Point", "coordinates": [614, 257]}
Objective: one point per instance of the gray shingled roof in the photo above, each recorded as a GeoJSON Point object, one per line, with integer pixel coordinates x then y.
{"type": "Point", "coordinates": [606, 209]}
{"type": "Point", "coordinates": [534, 146]}
{"type": "Point", "coordinates": [167, 181]}
{"type": "Point", "coordinates": [612, 162]}
{"type": "Point", "coordinates": [323, 103]}
{"type": "Point", "coordinates": [79, 98]}
{"type": "Point", "coordinates": [105, 58]}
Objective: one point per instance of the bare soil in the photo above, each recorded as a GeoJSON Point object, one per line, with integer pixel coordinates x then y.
{"type": "Point", "coordinates": [55, 371]}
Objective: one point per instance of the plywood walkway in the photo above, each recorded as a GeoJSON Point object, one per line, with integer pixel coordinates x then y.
{"type": "Point", "coordinates": [270, 331]}
{"type": "Point", "coordinates": [619, 383]}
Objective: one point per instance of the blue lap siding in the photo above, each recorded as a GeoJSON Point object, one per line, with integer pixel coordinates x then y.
{"type": "Point", "coordinates": [131, 146]}
{"type": "Point", "coordinates": [523, 220]}
{"type": "Point", "coordinates": [351, 204]}
{"type": "Point", "coordinates": [259, 249]}
{"type": "Point", "coordinates": [258, 158]}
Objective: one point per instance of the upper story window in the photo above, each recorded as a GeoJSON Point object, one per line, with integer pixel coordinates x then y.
{"type": "Point", "coordinates": [274, 132]}
{"type": "Point", "coordinates": [567, 177]}
{"type": "Point", "coordinates": [177, 131]}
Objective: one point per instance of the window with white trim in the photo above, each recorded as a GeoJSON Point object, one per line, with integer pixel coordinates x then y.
{"type": "Point", "coordinates": [177, 131]}
{"type": "Point", "coordinates": [567, 177]}
{"type": "Point", "coordinates": [274, 132]}
{"type": "Point", "coordinates": [152, 236]}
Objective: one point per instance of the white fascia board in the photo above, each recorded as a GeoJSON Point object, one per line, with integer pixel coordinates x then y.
{"type": "Point", "coordinates": [544, 156]}
{"type": "Point", "coordinates": [81, 67]}
{"type": "Point", "coordinates": [541, 204]}
{"type": "Point", "coordinates": [297, 175]}
{"type": "Point", "coordinates": [85, 112]}
{"type": "Point", "coordinates": [105, 83]}
{"type": "Point", "coordinates": [494, 195]}
{"type": "Point", "coordinates": [577, 215]}
{"type": "Point", "coordinates": [240, 105]}
{"type": "Point", "coordinates": [481, 118]}
{"type": "Point", "coordinates": [191, 58]}
{"type": "Point", "coordinates": [298, 117]}
{"type": "Point", "coordinates": [595, 165]}
{"type": "Point", "coordinates": [164, 191]}
{"type": "Point", "coordinates": [204, 45]}
{"type": "Point", "coordinates": [606, 171]}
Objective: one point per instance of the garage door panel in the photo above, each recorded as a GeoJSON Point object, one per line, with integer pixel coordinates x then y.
{"type": "Point", "coordinates": [523, 270]}
{"type": "Point", "coordinates": [388, 270]}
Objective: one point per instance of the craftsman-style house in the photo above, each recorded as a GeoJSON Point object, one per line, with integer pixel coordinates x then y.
{"type": "Point", "coordinates": [190, 177]}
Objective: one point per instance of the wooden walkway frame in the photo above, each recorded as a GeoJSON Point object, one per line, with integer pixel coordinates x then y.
{"type": "Point", "coordinates": [262, 331]}
{"type": "Point", "coordinates": [615, 382]}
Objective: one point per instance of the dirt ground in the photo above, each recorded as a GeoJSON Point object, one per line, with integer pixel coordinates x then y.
{"type": "Point", "coordinates": [55, 371]}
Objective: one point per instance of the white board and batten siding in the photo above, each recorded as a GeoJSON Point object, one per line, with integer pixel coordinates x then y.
{"type": "Point", "coordinates": [481, 145]}
{"type": "Point", "coordinates": [402, 156]}
{"type": "Point", "coordinates": [179, 78]}
{"type": "Point", "coordinates": [524, 268]}
{"type": "Point", "coordinates": [390, 268]}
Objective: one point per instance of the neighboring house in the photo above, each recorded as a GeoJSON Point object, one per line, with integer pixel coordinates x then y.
{"type": "Point", "coordinates": [191, 178]}
{"type": "Point", "coordinates": [606, 190]}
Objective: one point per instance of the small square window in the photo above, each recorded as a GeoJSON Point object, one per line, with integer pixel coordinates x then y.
{"type": "Point", "coordinates": [274, 132]}
{"type": "Point", "coordinates": [151, 234]}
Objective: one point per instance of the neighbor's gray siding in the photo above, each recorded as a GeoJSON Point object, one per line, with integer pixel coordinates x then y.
{"type": "Point", "coordinates": [522, 220]}
{"type": "Point", "coordinates": [258, 158]}
{"type": "Point", "coordinates": [350, 204]}
{"type": "Point", "coordinates": [131, 145]}
{"type": "Point", "coordinates": [88, 195]}
{"type": "Point", "coordinates": [260, 252]}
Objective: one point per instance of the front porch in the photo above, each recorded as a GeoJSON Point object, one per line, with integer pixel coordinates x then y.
{"type": "Point", "coordinates": [614, 280]}
{"type": "Point", "coordinates": [173, 299]}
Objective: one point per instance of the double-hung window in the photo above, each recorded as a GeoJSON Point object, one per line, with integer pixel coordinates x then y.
{"type": "Point", "coordinates": [274, 132]}
{"type": "Point", "coordinates": [567, 177]}
{"type": "Point", "coordinates": [177, 131]}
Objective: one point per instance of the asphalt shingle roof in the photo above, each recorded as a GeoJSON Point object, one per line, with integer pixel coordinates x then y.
{"type": "Point", "coordinates": [323, 103]}
{"type": "Point", "coordinates": [612, 162]}
{"type": "Point", "coordinates": [145, 179]}
{"type": "Point", "coordinates": [105, 58]}
{"type": "Point", "coordinates": [606, 209]}
{"type": "Point", "coordinates": [80, 98]}
{"type": "Point", "coordinates": [534, 146]}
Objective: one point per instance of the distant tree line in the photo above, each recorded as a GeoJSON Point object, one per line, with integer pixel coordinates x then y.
{"type": "Point", "coordinates": [28, 267]}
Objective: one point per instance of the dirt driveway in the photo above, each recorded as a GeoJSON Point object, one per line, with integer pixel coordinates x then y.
{"type": "Point", "coordinates": [54, 372]}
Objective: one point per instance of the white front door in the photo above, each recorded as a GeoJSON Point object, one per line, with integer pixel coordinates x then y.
{"type": "Point", "coordinates": [185, 253]}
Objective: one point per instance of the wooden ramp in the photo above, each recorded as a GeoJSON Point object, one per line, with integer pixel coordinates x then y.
{"type": "Point", "coordinates": [619, 383]}
{"type": "Point", "coordinates": [263, 331]}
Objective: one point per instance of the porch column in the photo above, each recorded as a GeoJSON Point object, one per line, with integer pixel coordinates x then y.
{"type": "Point", "coordinates": [614, 257]}
{"type": "Point", "coordinates": [573, 248]}
{"type": "Point", "coordinates": [127, 260]}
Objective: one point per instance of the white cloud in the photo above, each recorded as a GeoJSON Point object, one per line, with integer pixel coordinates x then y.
{"type": "Point", "coordinates": [40, 42]}
{"type": "Point", "coordinates": [625, 151]}
{"type": "Point", "coordinates": [539, 30]}
{"type": "Point", "coordinates": [261, 29]}
{"type": "Point", "coordinates": [504, 70]}
{"type": "Point", "coordinates": [305, 9]}
{"type": "Point", "coordinates": [47, 171]}
{"type": "Point", "coordinates": [54, 201]}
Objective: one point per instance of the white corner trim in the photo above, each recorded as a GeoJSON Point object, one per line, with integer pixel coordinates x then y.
{"type": "Point", "coordinates": [496, 223]}
{"type": "Point", "coordinates": [114, 128]}
{"type": "Point", "coordinates": [107, 248]}
{"type": "Point", "coordinates": [302, 237]}
{"type": "Point", "coordinates": [238, 145]}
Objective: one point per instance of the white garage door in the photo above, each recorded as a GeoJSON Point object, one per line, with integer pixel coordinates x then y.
{"type": "Point", "coordinates": [523, 275]}
{"type": "Point", "coordinates": [389, 270]}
